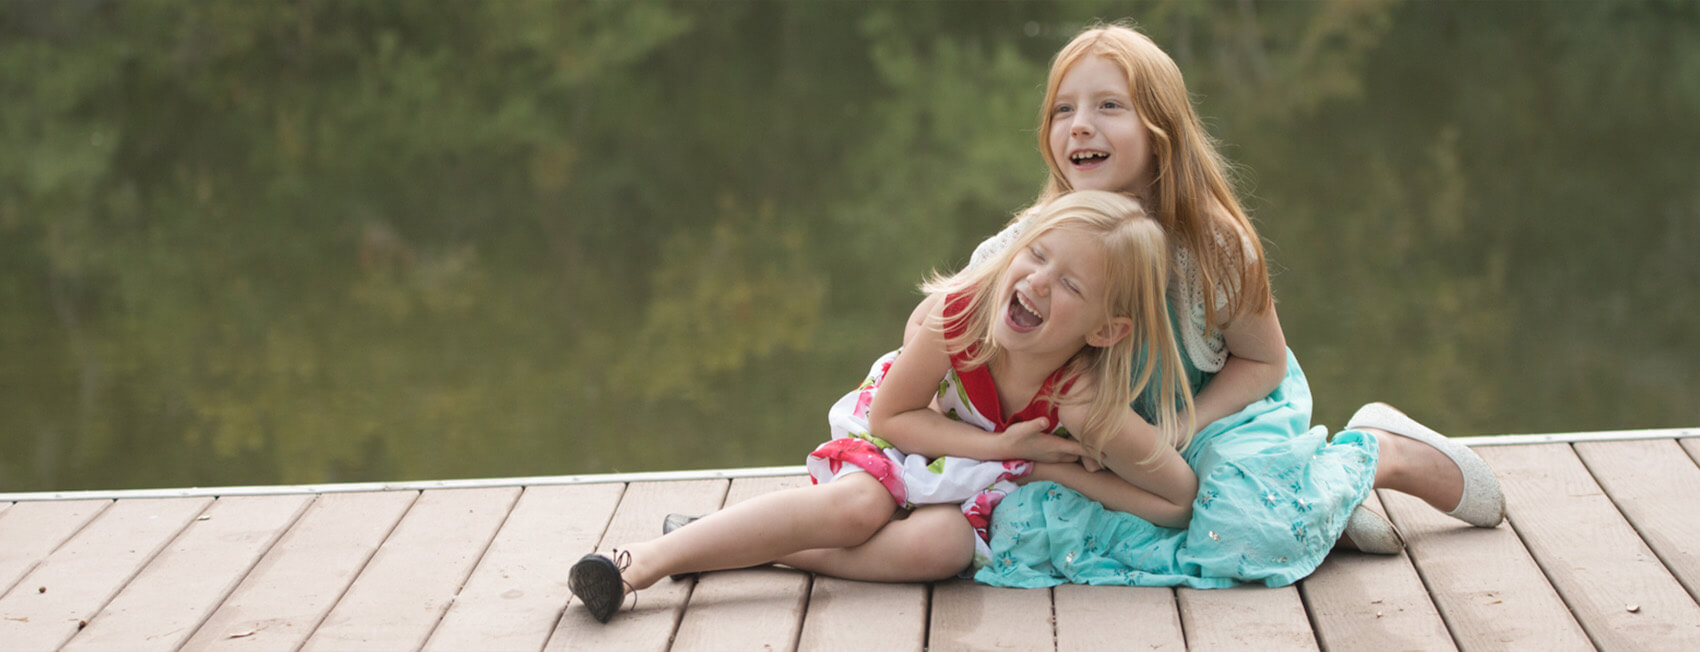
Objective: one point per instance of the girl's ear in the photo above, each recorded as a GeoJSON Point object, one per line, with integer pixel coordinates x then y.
{"type": "Point", "coordinates": [1111, 332]}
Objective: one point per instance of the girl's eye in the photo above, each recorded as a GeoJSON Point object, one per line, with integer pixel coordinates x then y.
{"type": "Point", "coordinates": [1071, 285]}
{"type": "Point", "coordinates": [1112, 104]}
{"type": "Point", "coordinates": [1061, 109]}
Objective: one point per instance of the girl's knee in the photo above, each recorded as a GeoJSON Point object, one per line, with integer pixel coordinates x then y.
{"type": "Point", "coordinates": [942, 560]}
{"type": "Point", "coordinates": [864, 505]}
{"type": "Point", "coordinates": [942, 543]}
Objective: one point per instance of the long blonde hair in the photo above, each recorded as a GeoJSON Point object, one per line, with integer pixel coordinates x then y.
{"type": "Point", "coordinates": [1136, 276]}
{"type": "Point", "coordinates": [1190, 189]}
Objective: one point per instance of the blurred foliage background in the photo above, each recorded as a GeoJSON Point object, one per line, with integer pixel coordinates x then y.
{"type": "Point", "coordinates": [293, 242]}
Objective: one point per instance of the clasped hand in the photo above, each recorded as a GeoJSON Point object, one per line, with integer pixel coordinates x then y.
{"type": "Point", "coordinates": [1031, 440]}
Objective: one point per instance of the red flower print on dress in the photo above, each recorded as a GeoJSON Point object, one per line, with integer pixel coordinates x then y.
{"type": "Point", "coordinates": [865, 455]}
{"type": "Point", "coordinates": [979, 512]}
{"type": "Point", "coordinates": [1016, 469]}
{"type": "Point", "coordinates": [863, 402]}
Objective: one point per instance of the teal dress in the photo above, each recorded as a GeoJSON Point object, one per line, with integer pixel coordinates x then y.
{"type": "Point", "coordinates": [1273, 497]}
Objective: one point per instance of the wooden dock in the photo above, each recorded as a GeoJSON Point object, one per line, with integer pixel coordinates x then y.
{"type": "Point", "coordinates": [1602, 551]}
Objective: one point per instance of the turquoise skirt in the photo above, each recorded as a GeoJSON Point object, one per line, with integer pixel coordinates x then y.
{"type": "Point", "coordinates": [1273, 497]}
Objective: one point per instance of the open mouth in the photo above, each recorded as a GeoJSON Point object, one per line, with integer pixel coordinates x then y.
{"type": "Point", "coordinates": [1086, 158]}
{"type": "Point", "coordinates": [1022, 316]}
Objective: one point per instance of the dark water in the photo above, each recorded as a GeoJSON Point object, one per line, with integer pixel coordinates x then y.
{"type": "Point", "coordinates": [311, 242]}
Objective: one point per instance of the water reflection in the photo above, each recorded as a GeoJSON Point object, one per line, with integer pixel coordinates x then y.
{"type": "Point", "coordinates": [246, 243]}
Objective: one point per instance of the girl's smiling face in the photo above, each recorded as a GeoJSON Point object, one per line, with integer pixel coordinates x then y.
{"type": "Point", "coordinates": [1097, 139]}
{"type": "Point", "coordinates": [1053, 294]}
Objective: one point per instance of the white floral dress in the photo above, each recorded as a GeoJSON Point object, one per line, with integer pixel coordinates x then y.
{"type": "Point", "coordinates": [966, 395]}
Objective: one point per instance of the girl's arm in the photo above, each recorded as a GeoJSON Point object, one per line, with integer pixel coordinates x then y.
{"type": "Point", "coordinates": [902, 414]}
{"type": "Point", "coordinates": [918, 318]}
{"type": "Point", "coordinates": [1159, 488]}
{"type": "Point", "coordinates": [1257, 353]}
{"type": "Point", "coordinates": [1257, 362]}
{"type": "Point", "coordinates": [1113, 492]}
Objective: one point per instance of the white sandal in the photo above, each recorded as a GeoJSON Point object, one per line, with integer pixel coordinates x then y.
{"type": "Point", "coordinates": [1373, 533]}
{"type": "Point", "coordinates": [1483, 504]}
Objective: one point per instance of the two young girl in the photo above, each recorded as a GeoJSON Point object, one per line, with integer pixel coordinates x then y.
{"type": "Point", "coordinates": [1037, 342]}
{"type": "Point", "coordinates": [1253, 496]}
{"type": "Point", "coordinates": [1273, 498]}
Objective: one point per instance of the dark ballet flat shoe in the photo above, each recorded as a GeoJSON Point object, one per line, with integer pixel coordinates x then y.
{"type": "Point", "coordinates": [595, 580]}
{"type": "Point", "coordinates": [668, 525]}
{"type": "Point", "coordinates": [676, 521]}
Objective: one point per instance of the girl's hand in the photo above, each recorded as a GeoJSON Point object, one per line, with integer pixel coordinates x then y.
{"type": "Point", "coordinates": [1030, 440]}
{"type": "Point", "coordinates": [1091, 463]}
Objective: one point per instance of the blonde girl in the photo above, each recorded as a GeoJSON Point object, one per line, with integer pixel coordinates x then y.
{"type": "Point", "coordinates": [1274, 498]}
{"type": "Point", "coordinates": [1037, 342]}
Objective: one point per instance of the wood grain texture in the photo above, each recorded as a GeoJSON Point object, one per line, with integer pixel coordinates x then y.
{"type": "Point", "coordinates": [410, 582]}
{"type": "Point", "coordinates": [648, 621]}
{"type": "Point", "coordinates": [1619, 591]}
{"type": "Point", "coordinates": [1245, 618]}
{"type": "Point", "coordinates": [1489, 590]}
{"type": "Point", "coordinates": [1598, 553]}
{"type": "Point", "coordinates": [750, 609]}
{"type": "Point", "coordinates": [1656, 485]}
{"type": "Point", "coordinates": [1372, 602]}
{"type": "Point", "coordinates": [31, 531]}
{"type": "Point", "coordinates": [969, 616]}
{"type": "Point", "coordinates": [517, 593]}
{"type": "Point", "coordinates": [170, 598]}
{"type": "Point", "coordinates": [56, 600]}
{"type": "Point", "coordinates": [288, 593]}
{"type": "Point", "coordinates": [838, 613]}
{"type": "Point", "coordinates": [1117, 618]}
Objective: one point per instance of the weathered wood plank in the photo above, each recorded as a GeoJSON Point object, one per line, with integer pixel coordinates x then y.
{"type": "Point", "coordinates": [164, 604]}
{"type": "Point", "coordinates": [969, 616]}
{"type": "Point", "coordinates": [1249, 617]}
{"type": "Point", "coordinates": [837, 616]}
{"type": "Point", "coordinates": [1372, 602]}
{"type": "Point", "coordinates": [650, 623]}
{"type": "Point", "coordinates": [288, 593]}
{"type": "Point", "coordinates": [516, 594]}
{"type": "Point", "coordinates": [1692, 445]}
{"type": "Point", "coordinates": [55, 600]}
{"type": "Point", "coordinates": [1117, 618]}
{"type": "Point", "coordinates": [1488, 589]}
{"type": "Point", "coordinates": [1657, 487]}
{"type": "Point", "coordinates": [402, 594]}
{"type": "Point", "coordinates": [31, 531]}
{"type": "Point", "coordinates": [750, 609]}
{"type": "Point", "coordinates": [1623, 597]}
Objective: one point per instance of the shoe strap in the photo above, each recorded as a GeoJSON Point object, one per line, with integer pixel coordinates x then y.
{"type": "Point", "coordinates": [622, 561]}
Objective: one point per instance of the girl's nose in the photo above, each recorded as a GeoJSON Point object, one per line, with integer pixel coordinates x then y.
{"type": "Point", "coordinates": [1039, 283]}
{"type": "Point", "coordinates": [1080, 127]}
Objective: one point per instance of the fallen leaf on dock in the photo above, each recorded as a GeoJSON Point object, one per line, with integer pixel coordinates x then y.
{"type": "Point", "coordinates": [1634, 608]}
{"type": "Point", "coordinates": [244, 634]}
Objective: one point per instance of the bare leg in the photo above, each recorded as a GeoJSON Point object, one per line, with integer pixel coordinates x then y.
{"type": "Point", "coordinates": [935, 542]}
{"type": "Point", "coordinates": [838, 514]}
{"type": "Point", "coordinates": [1410, 466]}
